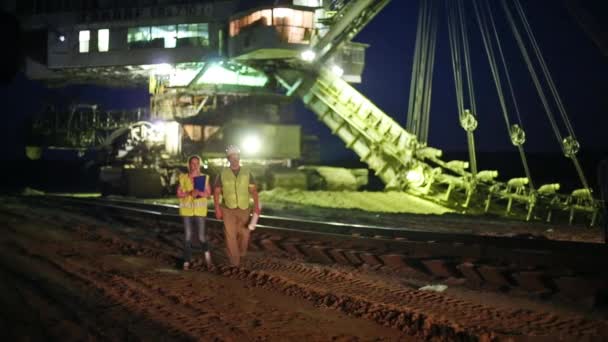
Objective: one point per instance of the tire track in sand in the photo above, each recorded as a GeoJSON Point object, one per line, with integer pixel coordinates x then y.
{"type": "Point", "coordinates": [391, 304]}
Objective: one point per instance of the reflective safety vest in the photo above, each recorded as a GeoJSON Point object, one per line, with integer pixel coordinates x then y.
{"type": "Point", "coordinates": [188, 205]}
{"type": "Point", "coordinates": [235, 190]}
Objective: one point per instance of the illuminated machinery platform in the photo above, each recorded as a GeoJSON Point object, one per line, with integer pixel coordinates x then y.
{"type": "Point", "coordinates": [192, 52]}
{"type": "Point", "coordinates": [124, 45]}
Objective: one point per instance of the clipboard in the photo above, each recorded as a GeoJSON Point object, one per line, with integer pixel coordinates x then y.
{"type": "Point", "coordinates": [200, 183]}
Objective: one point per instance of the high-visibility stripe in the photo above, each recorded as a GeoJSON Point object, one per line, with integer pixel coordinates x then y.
{"type": "Point", "coordinates": [193, 204]}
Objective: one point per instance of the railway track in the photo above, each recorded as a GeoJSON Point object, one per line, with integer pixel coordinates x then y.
{"type": "Point", "coordinates": [549, 269]}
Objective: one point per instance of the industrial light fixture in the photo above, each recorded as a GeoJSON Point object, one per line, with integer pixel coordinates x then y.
{"type": "Point", "coordinates": [308, 55]}
{"type": "Point", "coordinates": [415, 177]}
{"type": "Point", "coordinates": [61, 38]}
{"type": "Point", "coordinates": [159, 126]}
{"type": "Point", "coordinates": [164, 69]}
{"type": "Point", "coordinates": [337, 70]}
{"type": "Point", "coordinates": [251, 144]}
{"type": "Point", "coordinates": [220, 73]}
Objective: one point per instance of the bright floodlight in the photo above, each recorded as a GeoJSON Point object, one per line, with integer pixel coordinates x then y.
{"type": "Point", "coordinates": [62, 38]}
{"type": "Point", "coordinates": [251, 144]}
{"type": "Point", "coordinates": [415, 177]}
{"type": "Point", "coordinates": [337, 70]}
{"type": "Point", "coordinates": [159, 127]}
{"type": "Point", "coordinates": [308, 55]}
{"type": "Point", "coordinates": [164, 69]}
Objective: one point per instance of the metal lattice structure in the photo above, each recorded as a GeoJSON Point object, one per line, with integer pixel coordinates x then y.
{"type": "Point", "coordinates": [402, 158]}
{"type": "Point", "coordinates": [264, 54]}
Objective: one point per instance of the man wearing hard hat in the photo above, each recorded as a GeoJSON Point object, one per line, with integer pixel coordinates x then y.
{"type": "Point", "coordinates": [236, 186]}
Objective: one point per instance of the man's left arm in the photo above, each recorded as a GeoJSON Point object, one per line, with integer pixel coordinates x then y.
{"type": "Point", "coordinates": [253, 190]}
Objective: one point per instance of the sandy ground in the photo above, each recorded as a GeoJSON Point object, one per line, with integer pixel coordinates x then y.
{"type": "Point", "coordinates": [383, 202]}
{"type": "Point", "coordinates": [71, 277]}
{"type": "Point", "coordinates": [70, 283]}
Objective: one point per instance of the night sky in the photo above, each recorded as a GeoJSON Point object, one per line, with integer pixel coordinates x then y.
{"type": "Point", "coordinates": [578, 67]}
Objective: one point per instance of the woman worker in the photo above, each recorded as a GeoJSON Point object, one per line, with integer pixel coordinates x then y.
{"type": "Point", "coordinates": [193, 208]}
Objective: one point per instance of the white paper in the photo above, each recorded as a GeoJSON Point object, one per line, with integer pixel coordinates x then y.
{"type": "Point", "coordinates": [253, 222]}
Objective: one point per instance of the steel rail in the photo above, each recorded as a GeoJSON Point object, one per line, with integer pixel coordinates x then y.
{"type": "Point", "coordinates": [170, 212]}
{"type": "Point", "coordinates": [520, 252]}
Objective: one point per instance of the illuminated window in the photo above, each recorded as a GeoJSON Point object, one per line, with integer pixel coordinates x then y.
{"type": "Point", "coordinates": [193, 35]}
{"type": "Point", "coordinates": [279, 14]}
{"type": "Point", "coordinates": [169, 36]}
{"type": "Point", "coordinates": [294, 26]}
{"type": "Point", "coordinates": [138, 36]}
{"type": "Point", "coordinates": [84, 37]}
{"type": "Point", "coordinates": [244, 76]}
{"type": "Point", "coordinates": [103, 40]}
{"type": "Point", "coordinates": [165, 35]}
{"type": "Point", "coordinates": [263, 17]}
{"type": "Point", "coordinates": [308, 3]}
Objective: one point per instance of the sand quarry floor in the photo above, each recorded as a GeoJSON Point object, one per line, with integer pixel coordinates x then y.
{"type": "Point", "coordinates": [69, 277]}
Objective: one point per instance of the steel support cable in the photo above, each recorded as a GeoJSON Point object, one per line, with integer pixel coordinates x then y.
{"type": "Point", "coordinates": [532, 71]}
{"type": "Point", "coordinates": [420, 91]}
{"type": "Point", "coordinates": [459, 60]}
{"type": "Point", "coordinates": [455, 53]}
{"type": "Point", "coordinates": [411, 117]}
{"type": "Point", "coordinates": [430, 73]}
{"type": "Point", "coordinates": [421, 73]}
{"type": "Point", "coordinates": [545, 69]}
{"type": "Point", "coordinates": [541, 93]}
{"type": "Point", "coordinates": [470, 127]}
{"type": "Point", "coordinates": [504, 64]}
{"type": "Point", "coordinates": [428, 69]}
{"type": "Point", "coordinates": [486, 37]}
{"type": "Point", "coordinates": [414, 115]}
{"type": "Point", "coordinates": [455, 37]}
{"type": "Point", "coordinates": [467, 57]}
{"type": "Point", "coordinates": [557, 98]}
{"type": "Point", "coordinates": [492, 61]}
{"type": "Point", "coordinates": [455, 50]}
{"type": "Point", "coordinates": [581, 174]}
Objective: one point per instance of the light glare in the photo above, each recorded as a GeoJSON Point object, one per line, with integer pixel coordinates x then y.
{"type": "Point", "coordinates": [251, 144]}
{"type": "Point", "coordinates": [415, 177]}
{"type": "Point", "coordinates": [308, 55]}
{"type": "Point", "coordinates": [337, 70]}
